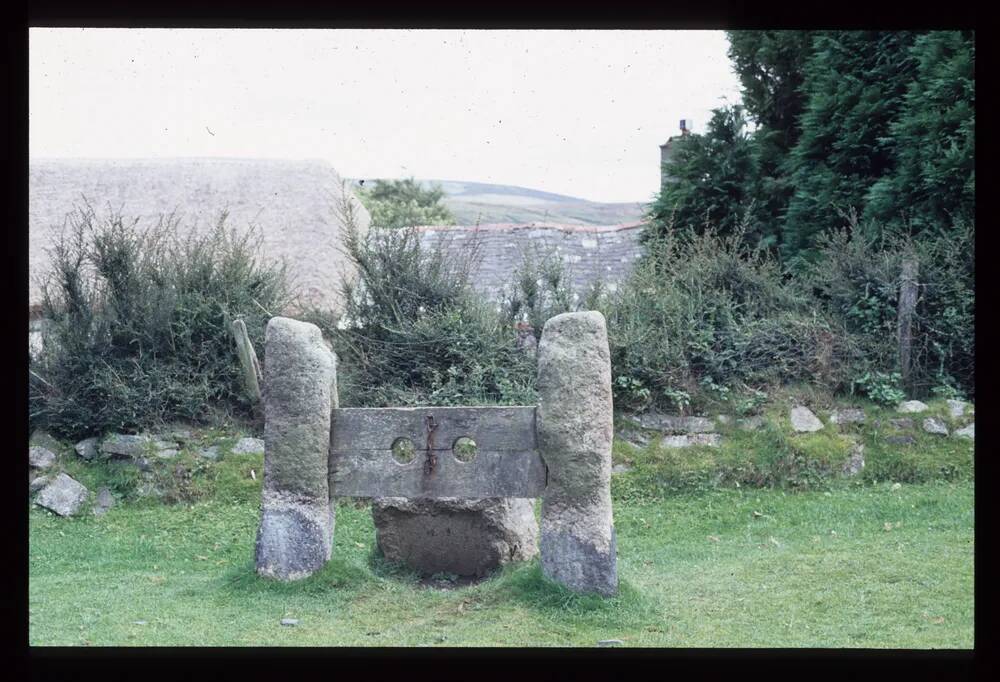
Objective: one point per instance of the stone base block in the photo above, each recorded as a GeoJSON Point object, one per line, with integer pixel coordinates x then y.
{"type": "Point", "coordinates": [579, 564]}
{"type": "Point", "coordinates": [294, 539]}
{"type": "Point", "coordinates": [459, 536]}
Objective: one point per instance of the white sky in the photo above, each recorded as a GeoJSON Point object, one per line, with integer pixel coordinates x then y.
{"type": "Point", "coordinates": [575, 112]}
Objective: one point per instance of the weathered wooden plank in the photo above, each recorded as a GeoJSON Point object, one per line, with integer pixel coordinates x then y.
{"type": "Point", "coordinates": [493, 428]}
{"type": "Point", "coordinates": [507, 463]}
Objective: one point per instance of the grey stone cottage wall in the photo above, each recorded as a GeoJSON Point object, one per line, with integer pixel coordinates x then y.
{"type": "Point", "coordinates": [589, 253]}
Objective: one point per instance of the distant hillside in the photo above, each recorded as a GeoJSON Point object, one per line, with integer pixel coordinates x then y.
{"type": "Point", "coordinates": [477, 202]}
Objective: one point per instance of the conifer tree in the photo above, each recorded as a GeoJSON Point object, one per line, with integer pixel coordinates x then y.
{"type": "Point", "coordinates": [934, 180]}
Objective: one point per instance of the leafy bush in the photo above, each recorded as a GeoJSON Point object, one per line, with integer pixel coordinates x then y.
{"type": "Point", "coordinates": [405, 203]}
{"type": "Point", "coordinates": [138, 323]}
{"type": "Point", "coordinates": [413, 332]}
{"type": "Point", "coordinates": [707, 318]}
{"type": "Point", "coordinates": [880, 387]}
{"type": "Point", "coordinates": [856, 279]}
{"type": "Point", "coordinates": [538, 290]}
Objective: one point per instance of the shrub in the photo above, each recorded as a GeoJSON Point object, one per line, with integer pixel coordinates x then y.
{"type": "Point", "coordinates": [138, 323]}
{"type": "Point", "coordinates": [405, 203]}
{"type": "Point", "coordinates": [538, 290]}
{"type": "Point", "coordinates": [856, 280]}
{"type": "Point", "coordinates": [413, 332]}
{"type": "Point", "coordinates": [708, 318]}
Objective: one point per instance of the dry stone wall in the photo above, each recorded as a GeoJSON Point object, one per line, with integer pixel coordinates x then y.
{"type": "Point", "coordinates": [605, 253]}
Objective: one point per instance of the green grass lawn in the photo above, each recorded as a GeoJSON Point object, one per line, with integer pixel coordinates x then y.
{"type": "Point", "coordinates": [859, 565]}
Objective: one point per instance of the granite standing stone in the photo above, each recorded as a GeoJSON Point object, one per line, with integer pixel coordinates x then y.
{"type": "Point", "coordinates": [295, 537]}
{"type": "Point", "coordinates": [575, 429]}
{"type": "Point", "coordinates": [63, 495]}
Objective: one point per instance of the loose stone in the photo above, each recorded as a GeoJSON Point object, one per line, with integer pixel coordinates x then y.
{"type": "Point", "coordinates": [211, 452]}
{"type": "Point", "coordinates": [63, 495]}
{"type": "Point", "coordinates": [710, 439]}
{"type": "Point", "coordinates": [675, 441]}
{"type": "Point", "coordinates": [935, 426]}
{"type": "Point", "coordinates": [911, 406]}
{"type": "Point", "coordinates": [40, 458]}
{"type": "Point", "coordinates": [105, 500]}
{"type": "Point", "coordinates": [247, 446]}
{"type": "Point", "coordinates": [38, 483]}
{"type": "Point", "coordinates": [903, 423]}
{"type": "Point", "coordinates": [750, 423]}
{"type": "Point", "coordinates": [956, 408]}
{"type": "Point", "coordinates": [967, 432]}
{"type": "Point", "coordinates": [87, 448]}
{"type": "Point", "coordinates": [634, 438]}
{"type": "Point", "coordinates": [676, 424]}
{"type": "Point", "coordinates": [122, 445]}
{"type": "Point", "coordinates": [44, 439]}
{"type": "Point", "coordinates": [856, 462]}
{"type": "Point", "coordinates": [289, 622]}
{"type": "Point", "coordinates": [804, 421]}
{"type": "Point", "coordinates": [610, 642]}
{"type": "Point", "coordinates": [848, 415]}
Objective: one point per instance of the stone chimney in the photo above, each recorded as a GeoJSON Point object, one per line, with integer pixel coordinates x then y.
{"type": "Point", "coordinates": [666, 150]}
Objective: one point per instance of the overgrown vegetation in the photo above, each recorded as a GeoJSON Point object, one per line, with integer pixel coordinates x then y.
{"type": "Point", "coordinates": [856, 280]}
{"type": "Point", "coordinates": [138, 323]}
{"type": "Point", "coordinates": [413, 331]}
{"type": "Point", "coordinates": [862, 153]}
{"type": "Point", "coordinates": [882, 122]}
{"type": "Point", "coordinates": [773, 456]}
{"type": "Point", "coordinates": [706, 317]}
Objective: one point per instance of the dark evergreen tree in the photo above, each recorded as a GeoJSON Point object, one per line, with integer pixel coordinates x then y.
{"type": "Point", "coordinates": [854, 83]}
{"type": "Point", "coordinates": [770, 66]}
{"type": "Point", "coordinates": [709, 179]}
{"type": "Point", "coordinates": [934, 180]}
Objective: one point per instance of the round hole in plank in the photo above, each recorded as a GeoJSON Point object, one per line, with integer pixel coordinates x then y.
{"type": "Point", "coordinates": [403, 450]}
{"type": "Point", "coordinates": [464, 449]}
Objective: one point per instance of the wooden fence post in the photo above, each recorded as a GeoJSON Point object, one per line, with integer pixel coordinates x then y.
{"type": "Point", "coordinates": [248, 360]}
{"type": "Point", "coordinates": [907, 306]}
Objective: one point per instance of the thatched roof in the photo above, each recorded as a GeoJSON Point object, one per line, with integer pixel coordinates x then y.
{"type": "Point", "coordinates": [292, 202]}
